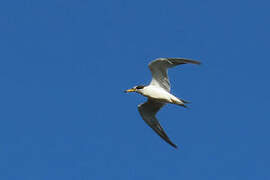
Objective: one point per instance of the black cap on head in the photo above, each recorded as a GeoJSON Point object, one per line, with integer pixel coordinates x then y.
{"type": "Point", "coordinates": [139, 87]}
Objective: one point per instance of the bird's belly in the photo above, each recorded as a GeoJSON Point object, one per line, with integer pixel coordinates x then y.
{"type": "Point", "coordinates": [158, 95]}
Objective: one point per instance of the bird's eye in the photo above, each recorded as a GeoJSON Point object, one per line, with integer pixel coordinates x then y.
{"type": "Point", "coordinates": [139, 87]}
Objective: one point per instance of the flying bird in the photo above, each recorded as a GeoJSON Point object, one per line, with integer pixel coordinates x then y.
{"type": "Point", "coordinates": [158, 93]}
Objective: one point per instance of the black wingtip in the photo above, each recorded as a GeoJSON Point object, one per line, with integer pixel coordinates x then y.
{"type": "Point", "coordinates": [173, 145]}
{"type": "Point", "coordinates": [191, 61]}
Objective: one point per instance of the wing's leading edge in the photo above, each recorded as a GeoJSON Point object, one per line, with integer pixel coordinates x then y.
{"type": "Point", "coordinates": [159, 69]}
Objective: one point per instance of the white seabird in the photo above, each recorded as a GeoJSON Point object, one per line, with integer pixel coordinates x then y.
{"type": "Point", "coordinates": [158, 93]}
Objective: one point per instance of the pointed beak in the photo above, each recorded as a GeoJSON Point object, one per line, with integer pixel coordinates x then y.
{"type": "Point", "coordinates": [130, 90]}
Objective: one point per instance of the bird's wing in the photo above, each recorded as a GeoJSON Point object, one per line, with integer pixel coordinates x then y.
{"type": "Point", "coordinates": [148, 111]}
{"type": "Point", "coordinates": [159, 69]}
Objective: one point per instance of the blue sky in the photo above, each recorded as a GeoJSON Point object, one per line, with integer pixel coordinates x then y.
{"type": "Point", "coordinates": [64, 65]}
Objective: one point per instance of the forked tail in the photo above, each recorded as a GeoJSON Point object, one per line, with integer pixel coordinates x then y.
{"type": "Point", "coordinates": [180, 102]}
{"type": "Point", "coordinates": [184, 101]}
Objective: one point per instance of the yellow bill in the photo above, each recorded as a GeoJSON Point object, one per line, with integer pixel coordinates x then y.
{"type": "Point", "coordinates": [130, 90]}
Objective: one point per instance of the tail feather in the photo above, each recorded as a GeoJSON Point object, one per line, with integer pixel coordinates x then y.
{"type": "Point", "coordinates": [180, 102]}
{"type": "Point", "coordinates": [184, 101]}
{"type": "Point", "coordinates": [185, 106]}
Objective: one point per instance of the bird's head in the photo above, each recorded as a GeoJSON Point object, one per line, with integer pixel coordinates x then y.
{"type": "Point", "coordinates": [135, 89]}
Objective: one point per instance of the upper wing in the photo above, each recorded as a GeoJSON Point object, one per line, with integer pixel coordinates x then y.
{"type": "Point", "coordinates": [148, 111]}
{"type": "Point", "coordinates": [159, 69]}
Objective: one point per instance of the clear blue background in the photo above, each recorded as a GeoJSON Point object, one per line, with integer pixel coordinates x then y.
{"type": "Point", "coordinates": [64, 65]}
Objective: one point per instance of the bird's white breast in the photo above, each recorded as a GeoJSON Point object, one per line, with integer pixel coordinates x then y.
{"type": "Point", "coordinates": [156, 93]}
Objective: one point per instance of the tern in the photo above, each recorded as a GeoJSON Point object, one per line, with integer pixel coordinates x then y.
{"type": "Point", "coordinates": [158, 93]}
